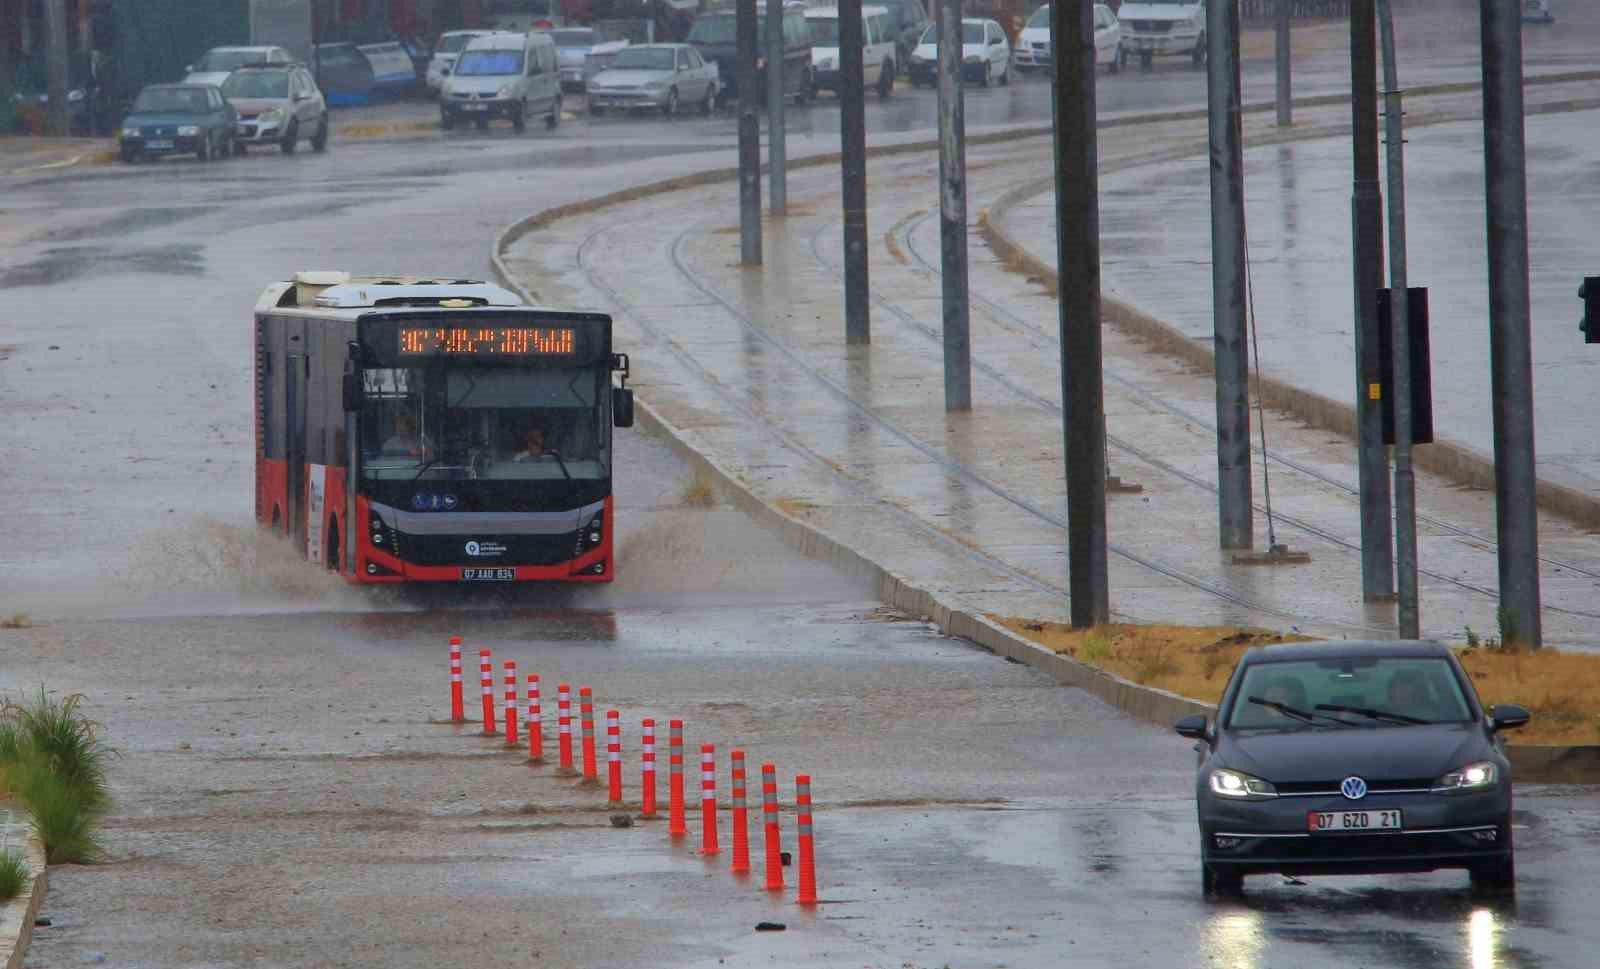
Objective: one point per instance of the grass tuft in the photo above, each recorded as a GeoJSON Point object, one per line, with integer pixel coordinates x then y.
{"type": "Point", "coordinates": [14, 875]}
{"type": "Point", "coordinates": [17, 620]}
{"type": "Point", "coordinates": [53, 762]}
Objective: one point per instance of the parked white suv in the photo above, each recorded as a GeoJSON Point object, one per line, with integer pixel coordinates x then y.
{"type": "Point", "coordinates": [1176, 29]}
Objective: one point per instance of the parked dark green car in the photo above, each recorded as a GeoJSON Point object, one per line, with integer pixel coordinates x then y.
{"type": "Point", "coordinates": [179, 119]}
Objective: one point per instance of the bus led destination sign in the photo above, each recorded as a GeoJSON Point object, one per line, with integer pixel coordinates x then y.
{"type": "Point", "coordinates": [487, 341]}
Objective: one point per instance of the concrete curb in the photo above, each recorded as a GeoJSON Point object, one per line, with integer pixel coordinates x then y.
{"type": "Point", "coordinates": [1161, 707]}
{"type": "Point", "coordinates": [17, 915]}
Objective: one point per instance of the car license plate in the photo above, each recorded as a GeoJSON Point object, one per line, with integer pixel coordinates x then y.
{"type": "Point", "coordinates": [158, 144]}
{"type": "Point", "coordinates": [477, 107]}
{"type": "Point", "coordinates": [488, 575]}
{"type": "Point", "coordinates": [1335, 822]}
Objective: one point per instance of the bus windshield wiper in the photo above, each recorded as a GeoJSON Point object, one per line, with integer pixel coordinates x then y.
{"type": "Point", "coordinates": [1372, 714]}
{"type": "Point", "coordinates": [561, 464]}
{"type": "Point", "coordinates": [1295, 713]}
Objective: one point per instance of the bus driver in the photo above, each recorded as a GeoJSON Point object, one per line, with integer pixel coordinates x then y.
{"type": "Point", "coordinates": [533, 444]}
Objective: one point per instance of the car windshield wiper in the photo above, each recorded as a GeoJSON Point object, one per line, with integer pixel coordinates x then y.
{"type": "Point", "coordinates": [1295, 713]}
{"type": "Point", "coordinates": [1372, 714]}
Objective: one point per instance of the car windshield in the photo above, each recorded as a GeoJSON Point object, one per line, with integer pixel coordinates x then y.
{"type": "Point", "coordinates": [1362, 691]}
{"type": "Point", "coordinates": [257, 84]}
{"type": "Point", "coordinates": [970, 34]}
{"type": "Point", "coordinates": [573, 38]}
{"type": "Point", "coordinates": [171, 100]}
{"type": "Point", "coordinates": [489, 63]}
{"type": "Point", "coordinates": [1041, 17]}
{"type": "Point", "coordinates": [824, 33]}
{"type": "Point", "coordinates": [452, 43]}
{"type": "Point", "coordinates": [643, 59]}
{"type": "Point", "coordinates": [228, 60]}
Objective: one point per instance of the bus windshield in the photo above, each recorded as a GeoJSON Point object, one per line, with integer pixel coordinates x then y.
{"type": "Point", "coordinates": [460, 421]}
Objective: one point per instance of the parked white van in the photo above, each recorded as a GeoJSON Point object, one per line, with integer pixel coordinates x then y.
{"type": "Point", "coordinates": [877, 52]}
{"type": "Point", "coordinates": [450, 45]}
{"type": "Point", "coordinates": [504, 75]}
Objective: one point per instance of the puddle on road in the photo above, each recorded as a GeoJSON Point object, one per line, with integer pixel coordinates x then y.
{"type": "Point", "coordinates": [63, 264]}
{"type": "Point", "coordinates": [123, 223]}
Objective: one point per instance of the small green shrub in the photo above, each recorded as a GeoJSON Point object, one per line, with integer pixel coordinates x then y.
{"type": "Point", "coordinates": [1096, 648]}
{"type": "Point", "coordinates": [53, 762]}
{"type": "Point", "coordinates": [62, 817]}
{"type": "Point", "coordinates": [14, 875]}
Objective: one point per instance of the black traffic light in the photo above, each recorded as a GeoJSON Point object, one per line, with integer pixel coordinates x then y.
{"type": "Point", "coordinates": [1589, 292]}
{"type": "Point", "coordinates": [1421, 368]}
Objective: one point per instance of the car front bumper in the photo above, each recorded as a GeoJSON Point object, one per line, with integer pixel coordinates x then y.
{"type": "Point", "coordinates": [627, 99]}
{"type": "Point", "coordinates": [1440, 831]}
{"type": "Point", "coordinates": [1160, 44]}
{"type": "Point", "coordinates": [178, 145]}
{"type": "Point", "coordinates": [494, 108]}
{"type": "Point", "coordinates": [1031, 57]}
{"type": "Point", "coordinates": [255, 133]}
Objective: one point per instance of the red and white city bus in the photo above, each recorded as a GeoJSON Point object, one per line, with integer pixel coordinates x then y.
{"type": "Point", "coordinates": [421, 430]}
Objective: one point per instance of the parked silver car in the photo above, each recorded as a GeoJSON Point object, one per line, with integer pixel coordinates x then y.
{"type": "Point", "coordinates": [278, 106]}
{"type": "Point", "coordinates": [572, 50]}
{"type": "Point", "coordinates": [662, 76]}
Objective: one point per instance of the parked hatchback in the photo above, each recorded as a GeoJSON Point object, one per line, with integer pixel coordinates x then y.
{"type": "Point", "coordinates": [1350, 758]}
{"type": "Point", "coordinates": [985, 54]}
{"type": "Point", "coordinates": [178, 119]}
{"type": "Point", "coordinates": [277, 106]}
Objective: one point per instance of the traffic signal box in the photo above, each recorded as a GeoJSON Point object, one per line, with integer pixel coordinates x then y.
{"type": "Point", "coordinates": [1421, 368]}
{"type": "Point", "coordinates": [1589, 292]}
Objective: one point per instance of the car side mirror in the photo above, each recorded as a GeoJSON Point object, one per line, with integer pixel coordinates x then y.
{"type": "Point", "coordinates": [621, 406]}
{"type": "Point", "coordinates": [1193, 726]}
{"type": "Point", "coordinates": [1508, 716]}
{"type": "Point", "coordinates": [352, 392]}
{"type": "Point", "coordinates": [996, 42]}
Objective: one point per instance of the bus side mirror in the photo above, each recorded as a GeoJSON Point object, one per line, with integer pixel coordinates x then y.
{"type": "Point", "coordinates": [622, 406]}
{"type": "Point", "coordinates": [352, 392]}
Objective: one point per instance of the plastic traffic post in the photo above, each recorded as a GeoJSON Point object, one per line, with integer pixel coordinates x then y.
{"type": "Point", "coordinates": [511, 703]}
{"type": "Point", "coordinates": [535, 721]}
{"type": "Point", "coordinates": [564, 724]}
{"type": "Point", "coordinates": [708, 799]}
{"type": "Point", "coordinates": [591, 767]}
{"type": "Point", "coordinates": [647, 779]}
{"type": "Point", "coordinates": [808, 860]}
{"type": "Point", "coordinates": [741, 833]}
{"type": "Point", "coordinates": [769, 822]}
{"type": "Point", "coordinates": [458, 705]}
{"type": "Point", "coordinates": [486, 682]}
{"type": "Point", "coordinates": [675, 821]}
{"type": "Point", "coordinates": [614, 756]}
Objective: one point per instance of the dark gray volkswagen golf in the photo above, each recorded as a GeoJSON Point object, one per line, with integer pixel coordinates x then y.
{"type": "Point", "coordinates": [1350, 758]}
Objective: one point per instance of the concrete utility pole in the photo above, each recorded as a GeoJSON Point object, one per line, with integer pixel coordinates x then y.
{"type": "Point", "coordinates": [59, 119]}
{"type": "Point", "coordinates": [1405, 481]}
{"type": "Point", "coordinates": [1285, 108]}
{"type": "Point", "coordinates": [953, 218]}
{"type": "Point", "coordinates": [853, 154]}
{"type": "Point", "coordinates": [777, 146]}
{"type": "Point", "coordinates": [1366, 220]}
{"type": "Point", "coordinates": [1224, 112]}
{"type": "Point", "coordinates": [1510, 354]}
{"type": "Point", "coordinates": [749, 138]}
{"type": "Point", "coordinates": [1078, 259]}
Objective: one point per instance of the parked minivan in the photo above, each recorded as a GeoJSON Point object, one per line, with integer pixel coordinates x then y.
{"type": "Point", "coordinates": [445, 52]}
{"type": "Point", "coordinates": [878, 64]}
{"type": "Point", "coordinates": [506, 76]}
{"type": "Point", "coordinates": [716, 35]}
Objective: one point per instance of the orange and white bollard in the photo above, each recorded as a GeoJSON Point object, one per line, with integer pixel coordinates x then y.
{"type": "Point", "coordinates": [647, 779]}
{"type": "Point", "coordinates": [511, 703]}
{"type": "Point", "coordinates": [808, 859]}
{"type": "Point", "coordinates": [708, 799]}
{"type": "Point", "coordinates": [564, 724]}
{"type": "Point", "coordinates": [458, 705]}
{"type": "Point", "coordinates": [675, 823]}
{"type": "Point", "coordinates": [741, 833]}
{"type": "Point", "coordinates": [769, 821]}
{"type": "Point", "coordinates": [486, 681]}
{"type": "Point", "coordinates": [535, 721]}
{"type": "Point", "coordinates": [614, 756]}
{"type": "Point", "coordinates": [591, 767]}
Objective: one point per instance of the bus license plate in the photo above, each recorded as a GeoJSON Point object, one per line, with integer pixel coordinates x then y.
{"type": "Point", "coordinates": [158, 145]}
{"type": "Point", "coordinates": [476, 107]}
{"type": "Point", "coordinates": [488, 575]}
{"type": "Point", "coordinates": [1334, 822]}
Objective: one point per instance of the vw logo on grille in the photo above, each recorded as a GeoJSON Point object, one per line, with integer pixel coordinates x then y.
{"type": "Point", "coordinates": [1353, 788]}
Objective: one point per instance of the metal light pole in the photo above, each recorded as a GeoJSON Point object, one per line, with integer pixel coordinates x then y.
{"type": "Point", "coordinates": [777, 147]}
{"type": "Point", "coordinates": [853, 170]}
{"type": "Point", "coordinates": [1366, 219]}
{"type": "Point", "coordinates": [953, 215]}
{"type": "Point", "coordinates": [1078, 259]}
{"type": "Point", "coordinates": [749, 138]}
{"type": "Point", "coordinates": [58, 118]}
{"type": "Point", "coordinates": [1511, 358]}
{"type": "Point", "coordinates": [1405, 481]}
{"type": "Point", "coordinates": [1224, 112]}
{"type": "Point", "coordinates": [1285, 108]}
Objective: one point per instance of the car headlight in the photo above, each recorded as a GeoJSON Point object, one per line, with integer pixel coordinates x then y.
{"type": "Point", "coordinates": [919, 59]}
{"type": "Point", "coordinates": [1473, 777]}
{"type": "Point", "coordinates": [1232, 783]}
{"type": "Point", "coordinates": [189, 130]}
{"type": "Point", "coordinates": [761, 63]}
{"type": "Point", "coordinates": [974, 59]}
{"type": "Point", "coordinates": [132, 133]}
{"type": "Point", "coordinates": [75, 96]}
{"type": "Point", "coordinates": [271, 116]}
{"type": "Point", "coordinates": [505, 91]}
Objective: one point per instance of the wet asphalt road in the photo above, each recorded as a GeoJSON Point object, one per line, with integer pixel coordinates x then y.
{"type": "Point", "coordinates": [285, 795]}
